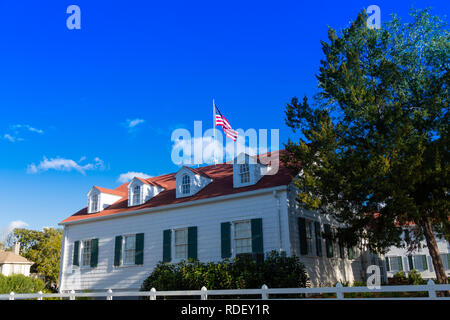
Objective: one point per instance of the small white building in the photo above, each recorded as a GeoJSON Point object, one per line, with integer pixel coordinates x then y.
{"type": "Point", "coordinates": [13, 263]}
{"type": "Point", "coordinates": [208, 213]}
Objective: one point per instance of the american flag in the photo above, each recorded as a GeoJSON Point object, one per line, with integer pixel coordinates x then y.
{"type": "Point", "coordinates": [221, 121]}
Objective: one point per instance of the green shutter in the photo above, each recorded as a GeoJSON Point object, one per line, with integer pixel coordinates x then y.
{"type": "Point", "coordinates": [192, 243]}
{"type": "Point", "coordinates": [328, 241]}
{"type": "Point", "coordinates": [225, 233]}
{"type": "Point", "coordinates": [387, 264]}
{"type": "Point", "coordinates": [257, 236]}
{"type": "Point", "coordinates": [448, 260]}
{"type": "Point", "coordinates": [351, 253]}
{"type": "Point", "coordinates": [118, 251]}
{"type": "Point", "coordinates": [400, 263]}
{"type": "Point", "coordinates": [167, 243]}
{"type": "Point", "coordinates": [76, 253]}
{"type": "Point", "coordinates": [318, 238]}
{"type": "Point", "coordinates": [94, 253]}
{"type": "Point", "coordinates": [424, 262]}
{"type": "Point", "coordinates": [341, 249]}
{"type": "Point", "coordinates": [302, 236]}
{"type": "Point", "coordinates": [139, 253]}
{"type": "Point", "coordinates": [410, 262]}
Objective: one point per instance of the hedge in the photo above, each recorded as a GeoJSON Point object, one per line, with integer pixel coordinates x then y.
{"type": "Point", "coordinates": [19, 283]}
{"type": "Point", "coordinates": [244, 272]}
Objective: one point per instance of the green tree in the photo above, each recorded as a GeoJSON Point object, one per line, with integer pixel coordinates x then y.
{"type": "Point", "coordinates": [373, 148]}
{"type": "Point", "coordinates": [44, 249]}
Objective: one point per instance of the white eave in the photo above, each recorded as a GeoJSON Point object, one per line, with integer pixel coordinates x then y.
{"type": "Point", "coordinates": [179, 205]}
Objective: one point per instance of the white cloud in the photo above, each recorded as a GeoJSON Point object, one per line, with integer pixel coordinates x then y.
{"type": "Point", "coordinates": [4, 232]}
{"type": "Point", "coordinates": [17, 130]}
{"type": "Point", "coordinates": [9, 137]}
{"type": "Point", "coordinates": [134, 123]}
{"type": "Point", "coordinates": [126, 177]}
{"type": "Point", "coordinates": [27, 127]}
{"type": "Point", "coordinates": [61, 164]}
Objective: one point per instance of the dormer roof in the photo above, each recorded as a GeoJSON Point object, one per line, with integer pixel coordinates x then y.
{"type": "Point", "coordinates": [221, 185]}
{"type": "Point", "coordinates": [116, 192]}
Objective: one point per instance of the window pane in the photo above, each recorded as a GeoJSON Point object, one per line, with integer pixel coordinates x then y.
{"type": "Point", "coordinates": [243, 237]}
{"type": "Point", "coordinates": [242, 230]}
{"type": "Point", "coordinates": [86, 253]}
{"type": "Point", "coordinates": [181, 240]}
{"type": "Point", "coordinates": [244, 173]}
{"type": "Point", "coordinates": [129, 250]}
{"type": "Point", "coordinates": [186, 184]}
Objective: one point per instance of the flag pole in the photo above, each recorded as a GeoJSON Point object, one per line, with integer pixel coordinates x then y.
{"type": "Point", "coordinates": [214, 132]}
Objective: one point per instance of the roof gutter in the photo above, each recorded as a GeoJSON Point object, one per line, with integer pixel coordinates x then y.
{"type": "Point", "coordinates": [178, 205]}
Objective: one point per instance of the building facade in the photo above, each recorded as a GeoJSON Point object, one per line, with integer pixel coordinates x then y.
{"type": "Point", "coordinates": [208, 213]}
{"type": "Point", "coordinates": [11, 262]}
{"type": "Point", "coordinates": [400, 259]}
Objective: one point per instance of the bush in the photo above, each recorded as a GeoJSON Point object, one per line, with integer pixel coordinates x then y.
{"type": "Point", "coordinates": [19, 283]}
{"type": "Point", "coordinates": [415, 278]}
{"type": "Point", "coordinates": [243, 272]}
{"type": "Point", "coordinates": [399, 279]}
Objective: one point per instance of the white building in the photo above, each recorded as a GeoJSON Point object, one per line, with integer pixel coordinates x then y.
{"type": "Point", "coordinates": [208, 213]}
{"type": "Point", "coordinates": [399, 259]}
{"type": "Point", "coordinates": [13, 263]}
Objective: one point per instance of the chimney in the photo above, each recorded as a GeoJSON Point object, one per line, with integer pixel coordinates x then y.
{"type": "Point", "coordinates": [16, 248]}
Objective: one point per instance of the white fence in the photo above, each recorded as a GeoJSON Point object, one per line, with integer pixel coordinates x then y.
{"type": "Point", "coordinates": [264, 292]}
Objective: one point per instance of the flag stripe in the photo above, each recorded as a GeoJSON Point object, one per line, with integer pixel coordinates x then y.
{"type": "Point", "coordinates": [222, 122]}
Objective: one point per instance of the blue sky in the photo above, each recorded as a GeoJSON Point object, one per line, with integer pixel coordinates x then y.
{"type": "Point", "coordinates": [72, 94]}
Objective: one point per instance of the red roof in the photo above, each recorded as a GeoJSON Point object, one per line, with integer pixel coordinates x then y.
{"type": "Point", "coordinates": [118, 191]}
{"type": "Point", "coordinates": [222, 184]}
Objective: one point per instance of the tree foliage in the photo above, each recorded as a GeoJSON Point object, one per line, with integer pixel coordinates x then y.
{"type": "Point", "coordinates": [373, 150]}
{"type": "Point", "coordinates": [44, 249]}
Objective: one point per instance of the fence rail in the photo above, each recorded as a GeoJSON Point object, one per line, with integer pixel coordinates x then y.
{"type": "Point", "coordinates": [431, 288]}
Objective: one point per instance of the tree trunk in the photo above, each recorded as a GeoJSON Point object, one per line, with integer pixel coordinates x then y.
{"type": "Point", "coordinates": [439, 269]}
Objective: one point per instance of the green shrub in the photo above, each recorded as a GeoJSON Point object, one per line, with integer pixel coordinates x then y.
{"type": "Point", "coordinates": [399, 279]}
{"type": "Point", "coordinates": [244, 272]}
{"type": "Point", "coordinates": [19, 283]}
{"type": "Point", "coordinates": [415, 278]}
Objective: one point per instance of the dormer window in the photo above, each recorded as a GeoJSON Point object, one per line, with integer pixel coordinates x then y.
{"type": "Point", "coordinates": [94, 203]}
{"type": "Point", "coordinates": [186, 185]}
{"type": "Point", "coordinates": [137, 195]}
{"type": "Point", "coordinates": [244, 173]}
{"type": "Point", "coordinates": [190, 181]}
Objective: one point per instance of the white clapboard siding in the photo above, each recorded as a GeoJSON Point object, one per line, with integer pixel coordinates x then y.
{"type": "Point", "coordinates": [207, 217]}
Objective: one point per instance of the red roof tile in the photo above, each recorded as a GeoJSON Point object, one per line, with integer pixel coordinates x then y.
{"type": "Point", "coordinates": [222, 184]}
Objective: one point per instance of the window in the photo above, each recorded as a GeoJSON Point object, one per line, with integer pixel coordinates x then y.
{"type": "Point", "coordinates": [395, 263]}
{"type": "Point", "coordinates": [244, 173]}
{"type": "Point", "coordinates": [137, 195]}
{"type": "Point", "coordinates": [181, 243]}
{"type": "Point", "coordinates": [129, 249]}
{"type": "Point", "coordinates": [94, 203]}
{"type": "Point", "coordinates": [336, 250]}
{"type": "Point", "coordinates": [420, 262]}
{"type": "Point", "coordinates": [86, 253]}
{"type": "Point", "coordinates": [186, 184]}
{"type": "Point", "coordinates": [309, 237]}
{"type": "Point", "coordinates": [243, 237]}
